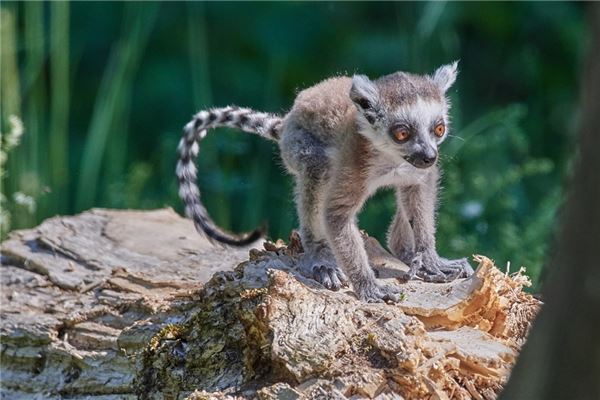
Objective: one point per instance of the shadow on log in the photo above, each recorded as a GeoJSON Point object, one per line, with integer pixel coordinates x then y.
{"type": "Point", "coordinates": [127, 304]}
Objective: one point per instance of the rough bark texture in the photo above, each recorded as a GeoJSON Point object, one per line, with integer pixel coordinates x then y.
{"type": "Point", "coordinates": [126, 304]}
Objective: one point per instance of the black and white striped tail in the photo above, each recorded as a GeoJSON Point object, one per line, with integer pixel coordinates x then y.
{"type": "Point", "coordinates": [263, 124]}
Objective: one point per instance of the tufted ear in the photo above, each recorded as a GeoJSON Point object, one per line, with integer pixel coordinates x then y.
{"type": "Point", "coordinates": [365, 96]}
{"type": "Point", "coordinates": [445, 75]}
{"type": "Point", "coordinates": [364, 93]}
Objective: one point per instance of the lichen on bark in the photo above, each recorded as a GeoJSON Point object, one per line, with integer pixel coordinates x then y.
{"type": "Point", "coordinates": [128, 304]}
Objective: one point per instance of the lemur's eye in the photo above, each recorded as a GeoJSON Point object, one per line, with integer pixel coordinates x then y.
{"type": "Point", "coordinates": [400, 133]}
{"type": "Point", "coordinates": [439, 130]}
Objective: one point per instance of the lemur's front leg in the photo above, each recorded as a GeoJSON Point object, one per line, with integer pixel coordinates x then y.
{"type": "Point", "coordinates": [347, 244]}
{"type": "Point", "coordinates": [420, 201]}
{"type": "Point", "coordinates": [318, 261]}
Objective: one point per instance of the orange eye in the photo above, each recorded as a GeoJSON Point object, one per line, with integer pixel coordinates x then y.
{"type": "Point", "coordinates": [400, 133]}
{"type": "Point", "coordinates": [439, 130]}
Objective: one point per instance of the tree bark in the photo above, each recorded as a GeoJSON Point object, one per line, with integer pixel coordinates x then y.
{"type": "Point", "coordinates": [562, 358]}
{"type": "Point", "coordinates": [130, 304]}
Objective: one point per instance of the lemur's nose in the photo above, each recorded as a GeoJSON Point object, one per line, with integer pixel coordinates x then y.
{"type": "Point", "coordinates": [428, 160]}
{"type": "Point", "coordinates": [424, 160]}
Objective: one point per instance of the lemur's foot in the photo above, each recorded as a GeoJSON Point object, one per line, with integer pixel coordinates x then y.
{"type": "Point", "coordinates": [432, 268]}
{"type": "Point", "coordinates": [379, 293]}
{"type": "Point", "coordinates": [321, 267]}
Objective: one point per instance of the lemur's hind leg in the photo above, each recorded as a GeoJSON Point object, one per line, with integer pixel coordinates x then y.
{"type": "Point", "coordinates": [400, 237]}
{"type": "Point", "coordinates": [310, 164]}
{"type": "Point", "coordinates": [420, 201]}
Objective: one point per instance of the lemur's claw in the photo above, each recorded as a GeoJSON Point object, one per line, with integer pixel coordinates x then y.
{"type": "Point", "coordinates": [454, 269]}
{"type": "Point", "coordinates": [437, 269]}
{"type": "Point", "coordinates": [329, 276]}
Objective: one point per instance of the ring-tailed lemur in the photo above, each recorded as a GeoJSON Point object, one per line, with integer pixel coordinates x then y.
{"type": "Point", "coordinates": [343, 139]}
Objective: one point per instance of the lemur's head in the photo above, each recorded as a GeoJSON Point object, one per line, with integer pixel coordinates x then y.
{"type": "Point", "coordinates": [405, 116]}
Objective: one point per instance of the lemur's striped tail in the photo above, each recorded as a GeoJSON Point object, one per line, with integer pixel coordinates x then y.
{"type": "Point", "coordinates": [263, 124]}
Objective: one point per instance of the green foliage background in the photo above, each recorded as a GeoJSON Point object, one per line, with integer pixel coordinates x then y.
{"type": "Point", "coordinates": [104, 88]}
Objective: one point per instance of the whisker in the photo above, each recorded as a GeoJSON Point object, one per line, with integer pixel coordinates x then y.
{"type": "Point", "coordinates": [458, 137]}
{"type": "Point", "coordinates": [447, 157]}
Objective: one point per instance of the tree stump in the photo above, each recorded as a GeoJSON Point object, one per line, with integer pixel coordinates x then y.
{"type": "Point", "coordinates": [130, 304]}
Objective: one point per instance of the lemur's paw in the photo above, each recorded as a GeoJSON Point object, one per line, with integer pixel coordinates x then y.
{"type": "Point", "coordinates": [432, 268]}
{"type": "Point", "coordinates": [380, 293]}
{"type": "Point", "coordinates": [330, 276]}
{"type": "Point", "coordinates": [323, 270]}
{"type": "Point", "coordinates": [454, 269]}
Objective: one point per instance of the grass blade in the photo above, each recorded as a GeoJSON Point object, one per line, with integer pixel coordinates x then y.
{"type": "Point", "coordinates": [113, 93]}
{"type": "Point", "coordinates": [30, 176]}
{"type": "Point", "coordinates": [59, 105]}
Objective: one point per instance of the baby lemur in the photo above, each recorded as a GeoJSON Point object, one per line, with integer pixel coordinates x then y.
{"type": "Point", "coordinates": [343, 139]}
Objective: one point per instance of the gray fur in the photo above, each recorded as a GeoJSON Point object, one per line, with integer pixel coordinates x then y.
{"type": "Point", "coordinates": [337, 142]}
{"type": "Point", "coordinates": [401, 238]}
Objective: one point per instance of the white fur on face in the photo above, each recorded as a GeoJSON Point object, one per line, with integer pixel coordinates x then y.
{"type": "Point", "coordinates": [380, 141]}
{"type": "Point", "coordinates": [422, 114]}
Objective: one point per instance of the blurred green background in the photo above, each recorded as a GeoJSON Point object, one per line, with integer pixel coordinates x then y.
{"type": "Point", "coordinates": [103, 90]}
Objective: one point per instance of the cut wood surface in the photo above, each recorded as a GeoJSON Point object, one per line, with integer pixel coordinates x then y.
{"type": "Point", "coordinates": [130, 304]}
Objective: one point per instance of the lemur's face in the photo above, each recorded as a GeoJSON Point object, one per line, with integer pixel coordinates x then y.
{"type": "Point", "coordinates": [405, 116]}
{"type": "Point", "coordinates": [415, 131]}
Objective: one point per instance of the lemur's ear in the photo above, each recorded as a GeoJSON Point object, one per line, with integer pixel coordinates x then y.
{"type": "Point", "coordinates": [445, 75]}
{"type": "Point", "coordinates": [364, 93]}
